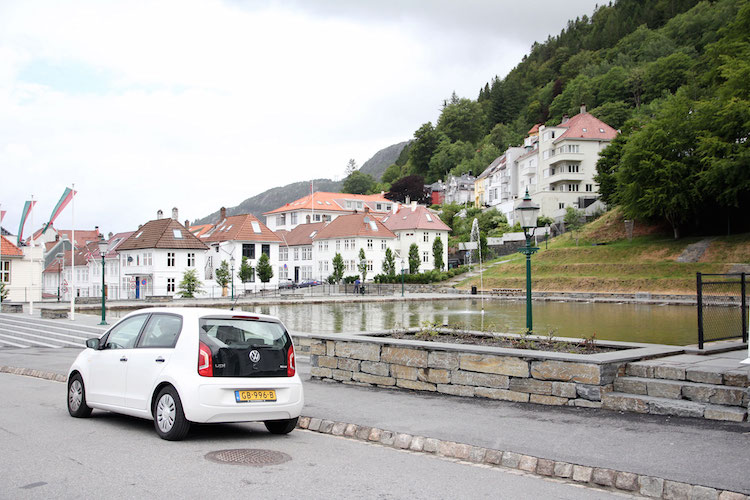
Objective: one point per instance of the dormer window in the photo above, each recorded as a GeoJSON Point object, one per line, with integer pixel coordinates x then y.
{"type": "Point", "coordinates": [138, 235]}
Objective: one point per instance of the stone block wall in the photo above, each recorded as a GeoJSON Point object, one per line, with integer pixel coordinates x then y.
{"type": "Point", "coordinates": [503, 377]}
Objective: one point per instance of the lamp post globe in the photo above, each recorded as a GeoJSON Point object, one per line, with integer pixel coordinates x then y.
{"type": "Point", "coordinates": [102, 244]}
{"type": "Point", "coordinates": [528, 214]}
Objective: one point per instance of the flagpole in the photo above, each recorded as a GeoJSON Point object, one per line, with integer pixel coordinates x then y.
{"type": "Point", "coordinates": [31, 295]}
{"type": "Point", "coordinates": [73, 255]}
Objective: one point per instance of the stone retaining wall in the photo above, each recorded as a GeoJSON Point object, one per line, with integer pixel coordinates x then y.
{"type": "Point", "coordinates": [449, 370]}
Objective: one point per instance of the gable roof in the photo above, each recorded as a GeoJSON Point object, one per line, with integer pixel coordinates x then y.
{"type": "Point", "coordinates": [354, 225]}
{"type": "Point", "coordinates": [244, 227]}
{"type": "Point", "coordinates": [586, 126]}
{"type": "Point", "coordinates": [301, 235]}
{"type": "Point", "coordinates": [160, 233]}
{"type": "Point", "coordinates": [415, 218]}
{"type": "Point", "coordinates": [8, 249]}
{"type": "Point", "coordinates": [332, 202]}
{"type": "Point", "coordinates": [82, 235]}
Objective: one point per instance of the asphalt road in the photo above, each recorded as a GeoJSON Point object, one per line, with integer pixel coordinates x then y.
{"type": "Point", "coordinates": [48, 454]}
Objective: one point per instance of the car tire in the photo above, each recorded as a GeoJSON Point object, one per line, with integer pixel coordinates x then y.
{"type": "Point", "coordinates": [281, 426]}
{"type": "Point", "coordinates": [77, 406]}
{"type": "Point", "coordinates": [169, 419]}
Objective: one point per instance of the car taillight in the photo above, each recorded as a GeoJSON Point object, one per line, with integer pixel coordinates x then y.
{"type": "Point", "coordinates": [291, 364]}
{"type": "Point", "coordinates": [205, 362]}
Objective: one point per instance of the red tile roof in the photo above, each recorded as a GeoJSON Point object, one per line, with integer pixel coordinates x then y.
{"type": "Point", "coordinates": [245, 227]}
{"type": "Point", "coordinates": [201, 229]}
{"type": "Point", "coordinates": [586, 126]}
{"type": "Point", "coordinates": [300, 235]}
{"type": "Point", "coordinates": [9, 249]}
{"type": "Point", "coordinates": [332, 202]}
{"type": "Point", "coordinates": [406, 218]}
{"type": "Point", "coordinates": [82, 235]}
{"type": "Point", "coordinates": [534, 129]}
{"type": "Point", "coordinates": [348, 226]}
{"type": "Point", "coordinates": [160, 233]}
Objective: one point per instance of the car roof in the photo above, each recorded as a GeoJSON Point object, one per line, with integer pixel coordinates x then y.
{"type": "Point", "coordinates": [198, 312]}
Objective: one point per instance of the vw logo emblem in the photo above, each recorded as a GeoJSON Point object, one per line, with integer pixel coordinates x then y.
{"type": "Point", "coordinates": [254, 356]}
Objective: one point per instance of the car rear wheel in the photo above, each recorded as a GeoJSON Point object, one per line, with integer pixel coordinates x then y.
{"type": "Point", "coordinates": [169, 419]}
{"type": "Point", "coordinates": [77, 406]}
{"type": "Point", "coordinates": [281, 426]}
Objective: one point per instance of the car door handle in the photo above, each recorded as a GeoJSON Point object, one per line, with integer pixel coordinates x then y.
{"type": "Point", "coordinates": [159, 360]}
{"type": "Point", "coordinates": [123, 359]}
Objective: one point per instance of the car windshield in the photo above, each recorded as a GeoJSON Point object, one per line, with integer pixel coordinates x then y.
{"type": "Point", "coordinates": [244, 331]}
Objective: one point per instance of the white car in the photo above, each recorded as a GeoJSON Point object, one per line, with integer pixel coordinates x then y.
{"type": "Point", "coordinates": [182, 365]}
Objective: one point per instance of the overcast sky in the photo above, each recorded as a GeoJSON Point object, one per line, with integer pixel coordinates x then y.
{"type": "Point", "coordinates": [150, 105]}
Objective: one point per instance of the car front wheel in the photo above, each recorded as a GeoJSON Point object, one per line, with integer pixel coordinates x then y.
{"type": "Point", "coordinates": [169, 419]}
{"type": "Point", "coordinates": [77, 406]}
{"type": "Point", "coordinates": [281, 426]}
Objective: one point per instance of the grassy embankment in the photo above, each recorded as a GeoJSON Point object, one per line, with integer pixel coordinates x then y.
{"type": "Point", "coordinates": [605, 261]}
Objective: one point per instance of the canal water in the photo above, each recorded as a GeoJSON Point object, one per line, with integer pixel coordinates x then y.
{"type": "Point", "coordinates": [675, 325]}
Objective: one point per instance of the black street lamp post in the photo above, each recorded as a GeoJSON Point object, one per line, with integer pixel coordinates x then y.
{"type": "Point", "coordinates": [103, 251]}
{"type": "Point", "coordinates": [59, 258]}
{"type": "Point", "coordinates": [528, 214]}
{"type": "Point", "coordinates": [231, 261]}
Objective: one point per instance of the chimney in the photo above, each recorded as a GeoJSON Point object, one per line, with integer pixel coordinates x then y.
{"type": "Point", "coordinates": [187, 222]}
{"type": "Point", "coordinates": [109, 236]}
{"type": "Point", "coordinates": [57, 237]}
{"type": "Point", "coordinates": [175, 214]}
{"type": "Point", "coordinates": [407, 200]}
{"type": "Point", "coordinates": [394, 207]}
{"type": "Point", "coordinates": [413, 206]}
{"type": "Point", "coordinates": [223, 212]}
{"type": "Point", "coordinates": [583, 108]}
{"type": "Point", "coordinates": [564, 118]}
{"type": "Point", "coordinates": [96, 228]}
{"type": "Point", "coordinates": [140, 226]}
{"type": "Point", "coordinates": [159, 214]}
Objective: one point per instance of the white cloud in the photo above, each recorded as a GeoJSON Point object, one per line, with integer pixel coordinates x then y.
{"type": "Point", "coordinates": [198, 104]}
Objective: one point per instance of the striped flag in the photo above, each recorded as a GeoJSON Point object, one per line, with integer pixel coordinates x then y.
{"type": "Point", "coordinates": [27, 207]}
{"type": "Point", "coordinates": [2, 215]}
{"type": "Point", "coordinates": [64, 200]}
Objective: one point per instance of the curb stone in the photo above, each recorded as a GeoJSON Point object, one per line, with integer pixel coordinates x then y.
{"type": "Point", "coordinates": [625, 481]}
{"type": "Point", "coordinates": [600, 478]}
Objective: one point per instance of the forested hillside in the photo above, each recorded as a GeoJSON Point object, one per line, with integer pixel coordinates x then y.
{"type": "Point", "coordinates": [673, 75]}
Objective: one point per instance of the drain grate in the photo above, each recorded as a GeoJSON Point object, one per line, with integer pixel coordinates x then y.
{"type": "Point", "coordinates": [247, 456]}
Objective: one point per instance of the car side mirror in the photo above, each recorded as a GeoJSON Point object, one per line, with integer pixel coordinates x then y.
{"type": "Point", "coordinates": [92, 343]}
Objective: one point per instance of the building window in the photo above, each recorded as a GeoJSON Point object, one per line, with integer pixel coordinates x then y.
{"type": "Point", "coordinates": [5, 271]}
{"type": "Point", "coordinates": [338, 245]}
{"type": "Point", "coordinates": [296, 254]}
{"type": "Point", "coordinates": [266, 249]}
{"type": "Point", "coordinates": [283, 253]}
{"type": "Point", "coordinates": [572, 187]}
{"type": "Point", "coordinates": [170, 259]}
{"type": "Point", "coordinates": [572, 168]}
{"type": "Point", "coordinates": [561, 205]}
{"type": "Point", "coordinates": [317, 217]}
{"type": "Point", "coordinates": [248, 250]}
{"type": "Point", "coordinates": [148, 259]}
{"type": "Point", "coordinates": [369, 244]}
{"type": "Point", "coordinates": [293, 218]}
{"type": "Point", "coordinates": [170, 285]}
{"type": "Point", "coordinates": [425, 256]}
{"type": "Point", "coordinates": [589, 187]}
{"type": "Point", "coordinates": [382, 245]}
{"type": "Point", "coordinates": [281, 220]}
{"type": "Point", "coordinates": [369, 265]}
{"type": "Point", "coordinates": [426, 237]}
{"type": "Point", "coordinates": [306, 253]}
{"type": "Point", "coordinates": [190, 259]}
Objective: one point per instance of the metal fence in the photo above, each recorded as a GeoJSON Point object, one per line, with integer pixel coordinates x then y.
{"type": "Point", "coordinates": [722, 307]}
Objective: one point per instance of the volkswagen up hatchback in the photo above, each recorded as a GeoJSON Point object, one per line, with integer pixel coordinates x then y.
{"type": "Point", "coordinates": [182, 365]}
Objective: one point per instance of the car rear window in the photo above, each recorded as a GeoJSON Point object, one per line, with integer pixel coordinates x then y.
{"type": "Point", "coordinates": [246, 347]}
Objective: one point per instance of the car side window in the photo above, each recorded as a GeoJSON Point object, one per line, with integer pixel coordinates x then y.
{"type": "Point", "coordinates": [124, 335]}
{"type": "Point", "coordinates": [161, 330]}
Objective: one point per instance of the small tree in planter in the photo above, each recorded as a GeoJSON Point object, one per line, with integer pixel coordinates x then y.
{"type": "Point", "coordinates": [389, 263]}
{"type": "Point", "coordinates": [413, 259]}
{"type": "Point", "coordinates": [362, 266]}
{"type": "Point", "coordinates": [437, 253]}
{"type": "Point", "coordinates": [265, 271]}
{"type": "Point", "coordinates": [3, 291]}
{"type": "Point", "coordinates": [245, 273]}
{"type": "Point", "coordinates": [338, 268]}
{"type": "Point", "coordinates": [222, 277]}
{"type": "Point", "coordinates": [190, 284]}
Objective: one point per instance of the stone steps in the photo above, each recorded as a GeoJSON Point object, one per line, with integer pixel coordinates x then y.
{"type": "Point", "coordinates": [638, 403]}
{"type": "Point", "coordinates": [683, 390]}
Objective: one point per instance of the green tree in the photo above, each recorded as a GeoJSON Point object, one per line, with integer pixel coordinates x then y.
{"type": "Point", "coordinates": [222, 276]}
{"type": "Point", "coordinates": [413, 259]}
{"type": "Point", "coordinates": [437, 253]}
{"type": "Point", "coordinates": [606, 170]}
{"type": "Point", "coordinates": [362, 265]}
{"type": "Point", "coordinates": [573, 221]}
{"type": "Point", "coordinates": [338, 267]}
{"type": "Point", "coordinates": [351, 167]}
{"type": "Point", "coordinates": [245, 273]}
{"type": "Point", "coordinates": [358, 183]}
{"type": "Point", "coordinates": [3, 291]}
{"type": "Point", "coordinates": [391, 174]}
{"type": "Point", "coordinates": [462, 120]}
{"type": "Point", "coordinates": [190, 284]}
{"type": "Point", "coordinates": [425, 142]}
{"type": "Point", "coordinates": [389, 263]}
{"type": "Point", "coordinates": [265, 271]}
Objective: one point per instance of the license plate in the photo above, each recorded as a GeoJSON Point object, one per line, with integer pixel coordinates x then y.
{"type": "Point", "coordinates": [249, 396]}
